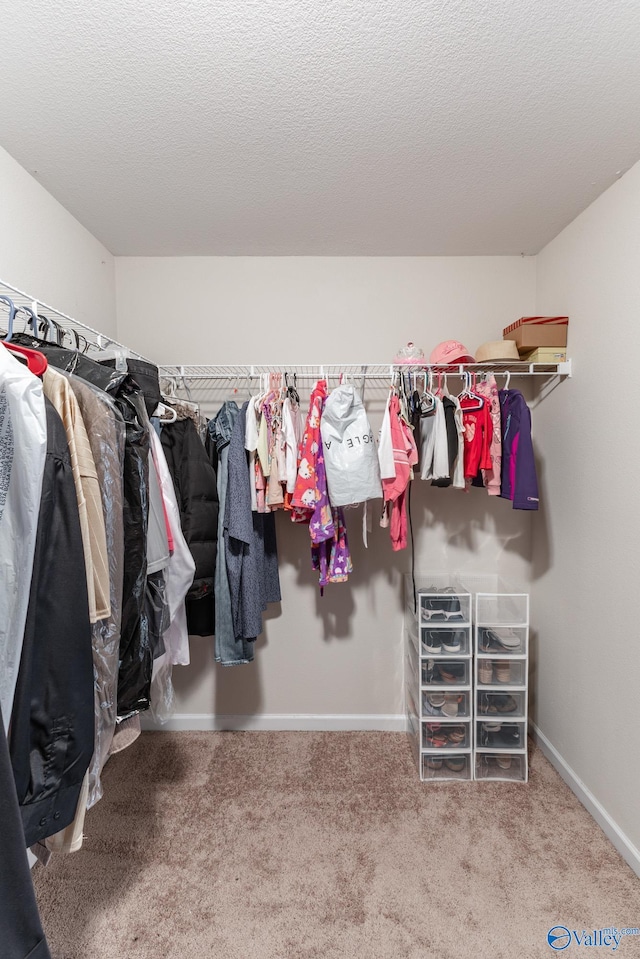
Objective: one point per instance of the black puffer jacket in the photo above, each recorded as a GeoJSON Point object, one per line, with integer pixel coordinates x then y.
{"type": "Point", "coordinates": [194, 478]}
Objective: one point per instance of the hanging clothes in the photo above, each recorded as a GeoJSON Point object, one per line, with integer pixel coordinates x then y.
{"type": "Point", "coordinates": [180, 570]}
{"type": "Point", "coordinates": [432, 445]}
{"type": "Point", "coordinates": [134, 677]}
{"type": "Point", "coordinates": [59, 392]}
{"type": "Point", "coordinates": [229, 651]}
{"type": "Point", "coordinates": [488, 389]}
{"type": "Point", "coordinates": [519, 477]}
{"type": "Point", "coordinates": [310, 501]}
{"type": "Point", "coordinates": [51, 738]}
{"type": "Point", "coordinates": [458, 470]}
{"type": "Point", "coordinates": [195, 483]}
{"type": "Point", "coordinates": [293, 431]}
{"type": "Point", "coordinates": [385, 444]}
{"type": "Point", "coordinates": [478, 431]}
{"type": "Point", "coordinates": [106, 431]}
{"type": "Point", "coordinates": [350, 455]}
{"type": "Point", "coordinates": [449, 408]}
{"type": "Point", "coordinates": [22, 935]}
{"type": "Point", "coordinates": [23, 448]}
{"type": "Point", "coordinates": [178, 579]}
{"type": "Point", "coordinates": [250, 544]}
{"type": "Point", "coordinates": [405, 456]}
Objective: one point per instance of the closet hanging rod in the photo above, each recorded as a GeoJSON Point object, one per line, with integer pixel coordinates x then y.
{"type": "Point", "coordinates": [95, 339]}
{"type": "Point", "coordinates": [376, 371]}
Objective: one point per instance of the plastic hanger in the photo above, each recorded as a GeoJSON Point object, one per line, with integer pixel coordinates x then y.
{"type": "Point", "coordinates": [427, 397]}
{"type": "Point", "coordinates": [292, 391]}
{"type": "Point", "coordinates": [59, 331]}
{"type": "Point", "coordinates": [12, 314]}
{"type": "Point", "coordinates": [166, 414]}
{"type": "Point", "coordinates": [36, 361]}
{"type": "Point", "coordinates": [32, 318]}
{"type": "Point", "coordinates": [468, 394]}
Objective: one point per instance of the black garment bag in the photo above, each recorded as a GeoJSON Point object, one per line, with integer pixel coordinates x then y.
{"type": "Point", "coordinates": [136, 654]}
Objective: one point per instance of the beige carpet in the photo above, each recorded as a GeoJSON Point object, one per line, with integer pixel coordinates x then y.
{"type": "Point", "coordinates": [326, 845]}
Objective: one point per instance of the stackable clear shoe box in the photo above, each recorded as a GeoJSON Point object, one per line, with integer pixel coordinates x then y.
{"type": "Point", "coordinates": [501, 668]}
{"type": "Point", "coordinates": [466, 681]}
{"type": "Point", "coordinates": [438, 679]}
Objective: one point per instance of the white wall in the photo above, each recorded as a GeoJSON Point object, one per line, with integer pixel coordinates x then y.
{"type": "Point", "coordinates": [48, 254]}
{"type": "Point", "coordinates": [586, 561]}
{"type": "Point", "coordinates": [340, 654]}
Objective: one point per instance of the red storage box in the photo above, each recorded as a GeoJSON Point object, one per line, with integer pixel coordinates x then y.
{"type": "Point", "coordinates": [536, 321]}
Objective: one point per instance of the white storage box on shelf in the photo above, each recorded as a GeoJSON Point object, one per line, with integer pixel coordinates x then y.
{"type": "Point", "coordinates": [438, 678]}
{"type": "Point", "coordinates": [501, 646]}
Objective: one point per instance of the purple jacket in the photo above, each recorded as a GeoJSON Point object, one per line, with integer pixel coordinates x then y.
{"type": "Point", "coordinates": [519, 481]}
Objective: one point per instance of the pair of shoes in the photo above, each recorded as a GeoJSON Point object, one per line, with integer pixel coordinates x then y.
{"type": "Point", "coordinates": [501, 735]}
{"type": "Point", "coordinates": [443, 606]}
{"type": "Point", "coordinates": [449, 673]}
{"type": "Point", "coordinates": [449, 640]}
{"type": "Point", "coordinates": [503, 761]}
{"type": "Point", "coordinates": [456, 735]}
{"type": "Point", "coordinates": [490, 641]}
{"type": "Point", "coordinates": [497, 703]}
{"type": "Point", "coordinates": [485, 671]}
{"type": "Point", "coordinates": [455, 763]}
{"type": "Point", "coordinates": [443, 704]}
{"type": "Point", "coordinates": [490, 670]}
{"type": "Point", "coordinates": [436, 737]}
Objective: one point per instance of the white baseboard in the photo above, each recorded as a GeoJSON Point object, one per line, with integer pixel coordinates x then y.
{"type": "Point", "coordinates": [629, 852]}
{"type": "Point", "coordinates": [180, 722]}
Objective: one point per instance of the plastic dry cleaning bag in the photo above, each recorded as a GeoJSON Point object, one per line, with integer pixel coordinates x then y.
{"type": "Point", "coordinates": [350, 452]}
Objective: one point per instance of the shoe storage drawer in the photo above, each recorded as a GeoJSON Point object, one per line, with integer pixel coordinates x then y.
{"type": "Point", "coordinates": [452, 704]}
{"type": "Point", "coordinates": [445, 672]}
{"type": "Point", "coordinates": [506, 766]}
{"type": "Point", "coordinates": [504, 705]}
{"type": "Point", "coordinates": [443, 607]}
{"type": "Point", "coordinates": [444, 641]}
{"type": "Point", "coordinates": [500, 672]}
{"type": "Point", "coordinates": [445, 766]}
{"type": "Point", "coordinates": [440, 737]}
{"type": "Point", "coordinates": [502, 640]}
{"type": "Point", "coordinates": [507, 609]}
{"type": "Point", "coordinates": [497, 734]}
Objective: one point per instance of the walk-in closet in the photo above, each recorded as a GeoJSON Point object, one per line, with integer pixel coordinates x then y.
{"type": "Point", "coordinates": [318, 535]}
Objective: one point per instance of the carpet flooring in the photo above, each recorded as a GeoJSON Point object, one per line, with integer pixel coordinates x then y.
{"type": "Point", "coordinates": [284, 845]}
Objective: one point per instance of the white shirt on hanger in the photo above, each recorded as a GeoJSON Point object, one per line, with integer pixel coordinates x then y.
{"type": "Point", "coordinates": [23, 449]}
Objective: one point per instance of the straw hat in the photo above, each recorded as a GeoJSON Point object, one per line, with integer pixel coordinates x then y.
{"type": "Point", "coordinates": [498, 351]}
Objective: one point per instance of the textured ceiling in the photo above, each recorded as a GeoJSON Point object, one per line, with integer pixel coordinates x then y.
{"type": "Point", "coordinates": [322, 126]}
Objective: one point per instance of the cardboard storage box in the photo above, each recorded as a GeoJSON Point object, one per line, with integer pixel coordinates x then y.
{"type": "Point", "coordinates": [536, 321]}
{"type": "Point", "coordinates": [545, 354]}
{"type": "Point", "coordinates": [528, 337]}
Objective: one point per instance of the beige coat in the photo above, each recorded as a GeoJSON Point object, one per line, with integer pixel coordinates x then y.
{"type": "Point", "coordinates": [59, 393]}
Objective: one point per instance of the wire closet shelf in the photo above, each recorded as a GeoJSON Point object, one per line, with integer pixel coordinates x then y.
{"type": "Point", "coordinates": [95, 340]}
{"type": "Point", "coordinates": [373, 371]}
